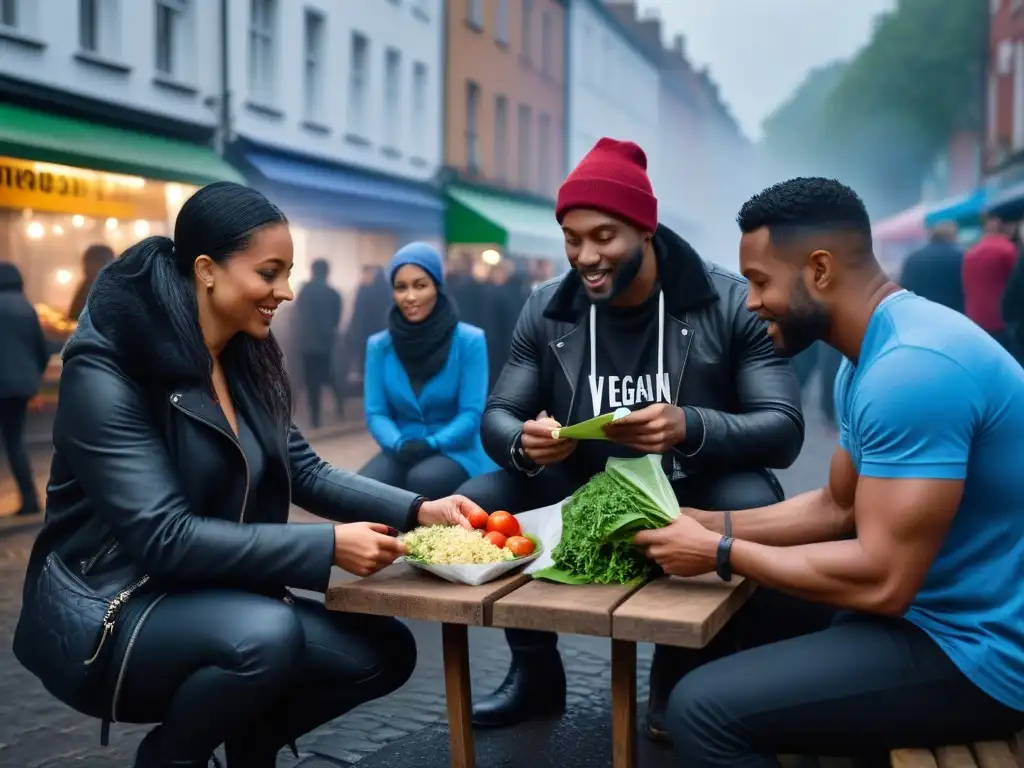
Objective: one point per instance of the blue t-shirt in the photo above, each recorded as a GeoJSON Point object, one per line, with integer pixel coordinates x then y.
{"type": "Point", "coordinates": [935, 397]}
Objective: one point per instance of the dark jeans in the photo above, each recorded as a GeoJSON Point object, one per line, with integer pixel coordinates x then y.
{"type": "Point", "coordinates": [13, 413]}
{"type": "Point", "coordinates": [862, 686]}
{"type": "Point", "coordinates": [254, 672]}
{"type": "Point", "coordinates": [434, 477]}
{"type": "Point", "coordinates": [517, 493]}
{"type": "Point", "coordinates": [317, 374]}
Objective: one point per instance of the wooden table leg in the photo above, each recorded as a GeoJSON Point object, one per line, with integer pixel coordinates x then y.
{"type": "Point", "coordinates": [455, 641]}
{"type": "Point", "coordinates": [623, 704]}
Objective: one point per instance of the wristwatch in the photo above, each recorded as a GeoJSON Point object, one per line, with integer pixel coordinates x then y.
{"type": "Point", "coordinates": [521, 461]}
{"type": "Point", "coordinates": [722, 565]}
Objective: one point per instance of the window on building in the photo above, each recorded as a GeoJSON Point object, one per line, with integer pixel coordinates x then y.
{"type": "Point", "coordinates": [501, 138]}
{"type": "Point", "coordinates": [171, 29]}
{"type": "Point", "coordinates": [419, 104]}
{"type": "Point", "coordinates": [98, 27]}
{"type": "Point", "coordinates": [392, 96]}
{"type": "Point", "coordinates": [9, 13]}
{"type": "Point", "coordinates": [547, 44]}
{"type": "Point", "coordinates": [544, 153]}
{"type": "Point", "coordinates": [993, 108]}
{"type": "Point", "coordinates": [475, 13]}
{"type": "Point", "coordinates": [359, 76]}
{"type": "Point", "coordinates": [313, 77]}
{"type": "Point", "coordinates": [89, 25]}
{"type": "Point", "coordinates": [501, 22]}
{"type": "Point", "coordinates": [527, 30]}
{"type": "Point", "coordinates": [472, 126]}
{"type": "Point", "coordinates": [1017, 136]}
{"type": "Point", "coordinates": [525, 120]}
{"type": "Point", "coordinates": [262, 22]}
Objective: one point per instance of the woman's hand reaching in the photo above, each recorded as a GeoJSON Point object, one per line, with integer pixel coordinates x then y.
{"type": "Point", "coordinates": [451, 510]}
{"type": "Point", "coordinates": [365, 548]}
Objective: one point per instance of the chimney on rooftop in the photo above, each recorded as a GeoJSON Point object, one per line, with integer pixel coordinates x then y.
{"type": "Point", "coordinates": [679, 46]}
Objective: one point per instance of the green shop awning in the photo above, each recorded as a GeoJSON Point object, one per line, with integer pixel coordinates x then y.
{"type": "Point", "coordinates": [522, 228]}
{"type": "Point", "coordinates": [32, 135]}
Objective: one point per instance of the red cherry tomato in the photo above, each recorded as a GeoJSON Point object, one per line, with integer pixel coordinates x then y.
{"type": "Point", "coordinates": [478, 519]}
{"type": "Point", "coordinates": [520, 546]}
{"type": "Point", "coordinates": [503, 523]}
{"type": "Point", "coordinates": [497, 539]}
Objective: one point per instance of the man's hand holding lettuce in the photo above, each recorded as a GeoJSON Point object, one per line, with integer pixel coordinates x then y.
{"type": "Point", "coordinates": [601, 519]}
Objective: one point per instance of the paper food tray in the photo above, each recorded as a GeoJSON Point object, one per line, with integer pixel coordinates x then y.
{"type": "Point", "coordinates": [544, 525]}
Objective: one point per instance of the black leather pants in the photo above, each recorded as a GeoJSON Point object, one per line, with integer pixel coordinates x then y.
{"type": "Point", "coordinates": [254, 673]}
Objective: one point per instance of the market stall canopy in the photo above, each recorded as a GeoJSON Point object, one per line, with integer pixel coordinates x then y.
{"type": "Point", "coordinates": [522, 228]}
{"type": "Point", "coordinates": [963, 209]}
{"type": "Point", "coordinates": [906, 225]}
{"type": "Point", "coordinates": [1008, 202]}
{"type": "Point", "coordinates": [348, 197]}
{"type": "Point", "coordinates": [33, 135]}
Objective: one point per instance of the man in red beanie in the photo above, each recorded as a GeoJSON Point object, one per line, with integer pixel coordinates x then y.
{"type": "Point", "coordinates": [639, 322]}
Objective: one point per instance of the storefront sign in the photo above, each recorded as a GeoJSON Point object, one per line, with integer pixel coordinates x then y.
{"type": "Point", "coordinates": [61, 189]}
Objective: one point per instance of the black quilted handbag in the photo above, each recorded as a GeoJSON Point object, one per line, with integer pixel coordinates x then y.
{"type": "Point", "coordinates": [64, 632]}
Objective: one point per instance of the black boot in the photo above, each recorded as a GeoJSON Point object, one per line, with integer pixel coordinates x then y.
{"type": "Point", "coordinates": [667, 668]}
{"type": "Point", "coordinates": [148, 755]}
{"type": "Point", "coordinates": [533, 688]}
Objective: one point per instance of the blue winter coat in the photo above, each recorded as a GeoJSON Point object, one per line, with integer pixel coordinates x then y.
{"type": "Point", "coordinates": [447, 411]}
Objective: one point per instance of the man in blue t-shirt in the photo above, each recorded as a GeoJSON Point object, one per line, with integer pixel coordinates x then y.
{"type": "Point", "coordinates": [917, 539]}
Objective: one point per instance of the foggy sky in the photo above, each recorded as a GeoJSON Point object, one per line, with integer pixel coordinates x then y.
{"type": "Point", "coordinates": [760, 50]}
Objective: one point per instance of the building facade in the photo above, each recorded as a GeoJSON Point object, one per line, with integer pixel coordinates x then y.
{"type": "Point", "coordinates": [615, 93]}
{"type": "Point", "coordinates": [504, 114]}
{"type": "Point", "coordinates": [704, 165]}
{"type": "Point", "coordinates": [1004, 121]}
{"type": "Point", "coordinates": [107, 124]}
{"type": "Point", "coordinates": [335, 114]}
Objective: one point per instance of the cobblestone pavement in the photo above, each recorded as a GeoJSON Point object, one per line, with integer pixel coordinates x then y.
{"type": "Point", "coordinates": [38, 732]}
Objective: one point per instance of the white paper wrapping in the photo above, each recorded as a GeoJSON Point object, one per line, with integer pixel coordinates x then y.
{"type": "Point", "coordinates": [545, 524]}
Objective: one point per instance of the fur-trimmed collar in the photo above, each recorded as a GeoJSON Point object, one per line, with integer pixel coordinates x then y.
{"type": "Point", "coordinates": [681, 272]}
{"type": "Point", "coordinates": [126, 315]}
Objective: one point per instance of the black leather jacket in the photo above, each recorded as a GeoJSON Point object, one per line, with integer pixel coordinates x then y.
{"type": "Point", "coordinates": [148, 480]}
{"type": "Point", "coordinates": [743, 398]}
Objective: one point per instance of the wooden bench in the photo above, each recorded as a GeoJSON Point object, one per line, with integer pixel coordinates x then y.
{"type": "Point", "coordinates": [984, 754]}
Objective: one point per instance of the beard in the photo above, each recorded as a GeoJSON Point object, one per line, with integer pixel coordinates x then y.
{"type": "Point", "coordinates": [624, 275]}
{"type": "Point", "coordinates": [805, 322]}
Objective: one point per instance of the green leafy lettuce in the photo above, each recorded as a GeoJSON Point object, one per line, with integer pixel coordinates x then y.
{"type": "Point", "coordinates": [601, 519]}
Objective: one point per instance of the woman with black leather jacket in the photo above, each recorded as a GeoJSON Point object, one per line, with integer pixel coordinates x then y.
{"type": "Point", "coordinates": [157, 588]}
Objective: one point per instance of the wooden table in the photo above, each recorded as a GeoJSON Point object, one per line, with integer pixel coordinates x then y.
{"type": "Point", "coordinates": [671, 611]}
{"type": "Point", "coordinates": [406, 592]}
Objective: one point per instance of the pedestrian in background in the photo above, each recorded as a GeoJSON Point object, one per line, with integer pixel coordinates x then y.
{"type": "Point", "coordinates": [175, 463]}
{"type": "Point", "coordinates": [986, 274]}
{"type": "Point", "coordinates": [25, 355]}
{"type": "Point", "coordinates": [319, 308]}
{"type": "Point", "coordinates": [95, 258]}
{"type": "Point", "coordinates": [426, 384]}
{"type": "Point", "coordinates": [934, 271]}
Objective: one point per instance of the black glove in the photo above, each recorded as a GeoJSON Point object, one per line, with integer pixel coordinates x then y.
{"type": "Point", "coordinates": [413, 451]}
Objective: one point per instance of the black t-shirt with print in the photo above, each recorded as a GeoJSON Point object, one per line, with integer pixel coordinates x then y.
{"type": "Point", "coordinates": [626, 376]}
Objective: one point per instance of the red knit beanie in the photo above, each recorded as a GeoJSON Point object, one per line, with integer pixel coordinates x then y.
{"type": "Point", "coordinates": [612, 177]}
